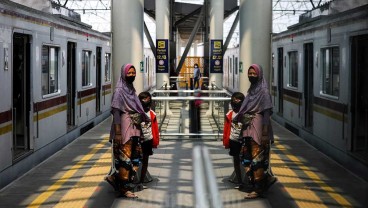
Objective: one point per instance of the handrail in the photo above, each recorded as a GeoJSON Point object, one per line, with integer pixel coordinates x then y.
{"type": "Point", "coordinates": [190, 134]}
{"type": "Point", "coordinates": [192, 98]}
{"type": "Point", "coordinates": [187, 91]}
{"type": "Point", "coordinates": [205, 186]}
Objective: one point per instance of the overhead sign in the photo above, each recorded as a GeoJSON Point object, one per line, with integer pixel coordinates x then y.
{"type": "Point", "coordinates": [216, 56]}
{"type": "Point", "coordinates": [162, 56]}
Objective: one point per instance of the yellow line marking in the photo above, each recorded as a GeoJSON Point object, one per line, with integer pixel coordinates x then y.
{"type": "Point", "coordinates": [49, 113]}
{"type": "Point", "coordinates": [86, 99]}
{"type": "Point", "coordinates": [299, 192]}
{"type": "Point", "coordinates": [58, 184]}
{"type": "Point", "coordinates": [87, 185]}
{"type": "Point", "coordinates": [316, 179]}
{"type": "Point", "coordinates": [6, 129]}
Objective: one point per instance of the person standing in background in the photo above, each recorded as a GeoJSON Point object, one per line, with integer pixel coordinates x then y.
{"type": "Point", "coordinates": [196, 76]}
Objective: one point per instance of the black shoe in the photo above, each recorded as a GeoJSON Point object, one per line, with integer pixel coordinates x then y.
{"type": "Point", "coordinates": [269, 182]}
{"type": "Point", "coordinates": [111, 180]}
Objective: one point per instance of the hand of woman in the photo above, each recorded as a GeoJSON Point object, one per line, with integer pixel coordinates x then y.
{"type": "Point", "coordinates": [265, 140]}
{"type": "Point", "coordinates": [118, 139]}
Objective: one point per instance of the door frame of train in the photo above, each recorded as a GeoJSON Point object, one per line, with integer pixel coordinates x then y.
{"type": "Point", "coordinates": [308, 85]}
{"type": "Point", "coordinates": [357, 56]}
{"type": "Point", "coordinates": [98, 78]}
{"type": "Point", "coordinates": [25, 94]}
{"type": "Point", "coordinates": [71, 83]}
{"type": "Point", "coordinates": [280, 79]}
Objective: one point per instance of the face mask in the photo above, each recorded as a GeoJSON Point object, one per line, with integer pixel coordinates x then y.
{"type": "Point", "coordinates": [130, 80]}
{"type": "Point", "coordinates": [236, 106]}
{"type": "Point", "coordinates": [146, 105]}
{"type": "Point", "coordinates": [253, 80]}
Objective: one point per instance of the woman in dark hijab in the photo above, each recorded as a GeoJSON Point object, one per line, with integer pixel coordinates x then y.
{"type": "Point", "coordinates": [257, 132]}
{"type": "Point", "coordinates": [125, 132]}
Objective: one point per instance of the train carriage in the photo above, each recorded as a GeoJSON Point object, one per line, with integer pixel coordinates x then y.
{"type": "Point", "coordinates": [320, 71]}
{"type": "Point", "coordinates": [55, 79]}
{"type": "Point", "coordinates": [319, 79]}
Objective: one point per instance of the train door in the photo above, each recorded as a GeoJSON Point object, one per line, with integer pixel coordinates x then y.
{"type": "Point", "coordinates": [21, 94]}
{"type": "Point", "coordinates": [71, 59]}
{"type": "Point", "coordinates": [280, 79]}
{"type": "Point", "coordinates": [308, 85]}
{"type": "Point", "coordinates": [98, 78]}
{"type": "Point", "coordinates": [359, 95]}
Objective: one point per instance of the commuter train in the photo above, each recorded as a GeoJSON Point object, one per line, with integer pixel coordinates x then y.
{"type": "Point", "coordinates": [55, 81]}
{"type": "Point", "coordinates": [319, 79]}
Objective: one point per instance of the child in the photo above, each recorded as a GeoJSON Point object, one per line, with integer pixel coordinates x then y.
{"type": "Point", "coordinates": [150, 132]}
{"type": "Point", "coordinates": [231, 134]}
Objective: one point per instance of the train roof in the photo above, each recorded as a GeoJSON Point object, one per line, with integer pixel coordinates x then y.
{"type": "Point", "coordinates": [338, 10]}
{"type": "Point", "coordinates": [55, 14]}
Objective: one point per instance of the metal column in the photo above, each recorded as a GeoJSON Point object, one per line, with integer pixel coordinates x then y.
{"type": "Point", "coordinates": [127, 38]}
{"type": "Point", "coordinates": [255, 38]}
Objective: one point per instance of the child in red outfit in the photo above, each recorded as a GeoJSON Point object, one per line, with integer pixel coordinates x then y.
{"type": "Point", "coordinates": [231, 133]}
{"type": "Point", "coordinates": [150, 132]}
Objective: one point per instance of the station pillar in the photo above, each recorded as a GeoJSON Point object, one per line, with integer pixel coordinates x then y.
{"type": "Point", "coordinates": [127, 38]}
{"type": "Point", "coordinates": [255, 27]}
{"type": "Point", "coordinates": [216, 15]}
{"type": "Point", "coordinates": [163, 33]}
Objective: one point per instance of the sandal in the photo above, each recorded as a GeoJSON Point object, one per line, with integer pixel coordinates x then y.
{"type": "Point", "coordinates": [252, 195]}
{"type": "Point", "coordinates": [130, 194]}
{"type": "Point", "coordinates": [110, 179]}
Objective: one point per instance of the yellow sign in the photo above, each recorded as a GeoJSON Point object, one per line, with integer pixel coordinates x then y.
{"type": "Point", "coordinates": [161, 44]}
{"type": "Point", "coordinates": [217, 44]}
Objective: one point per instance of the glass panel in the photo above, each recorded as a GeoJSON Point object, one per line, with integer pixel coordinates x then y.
{"type": "Point", "coordinates": [293, 69]}
{"type": "Point", "coordinates": [86, 67]}
{"type": "Point", "coordinates": [50, 70]}
{"type": "Point", "coordinates": [107, 67]}
{"type": "Point", "coordinates": [330, 71]}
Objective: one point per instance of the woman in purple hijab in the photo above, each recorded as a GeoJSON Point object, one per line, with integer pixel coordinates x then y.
{"type": "Point", "coordinates": [254, 115]}
{"type": "Point", "coordinates": [125, 132]}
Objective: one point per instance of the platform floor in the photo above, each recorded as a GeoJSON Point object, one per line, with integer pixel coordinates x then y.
{"type": "Point", "coordinates": [73, 177]}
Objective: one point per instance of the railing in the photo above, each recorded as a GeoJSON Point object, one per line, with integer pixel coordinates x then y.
{"type": "Point", "coordinates": [217, 101]}
{"type": "Point", "coordinates": [205, 186]}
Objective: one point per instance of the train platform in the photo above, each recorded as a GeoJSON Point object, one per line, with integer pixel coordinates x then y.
{"type": "Point", "coordinates": [74, 177]}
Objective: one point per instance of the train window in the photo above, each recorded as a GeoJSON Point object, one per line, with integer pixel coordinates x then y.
{"type": "Point", "coordinates": [86, 68]}
{"type": "Point", "coordinates": [50, 70]}
{"type": "Point", "coordinates": [330, 64]}
{"type": "Point", "coordinates": [293, 69]}
{"type": "Point", "coordinates": [107, 67]}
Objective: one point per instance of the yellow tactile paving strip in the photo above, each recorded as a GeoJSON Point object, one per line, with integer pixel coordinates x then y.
{"type": "Point", "coordinates": [59, 183]}
{"type": "Point", "coordinates": [293, 183]}
{"type": "Point", "coordinates": [86, 186]}
{"type": "Point", "coordinates": [301, 194]}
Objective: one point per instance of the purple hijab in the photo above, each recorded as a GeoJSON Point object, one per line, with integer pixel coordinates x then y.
{"type": "Point", "coordinates": [257, 100]}
{"type": "Point", "coordinates": [124, 97]}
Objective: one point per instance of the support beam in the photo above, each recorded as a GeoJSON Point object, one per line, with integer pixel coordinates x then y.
{"type": "Point", "coordinates": [231, 32]}
{"type": "Point", "coordinates": [149, 38]}
{"type": "Point", "coordinates": [149, 13]}
{"type": "Point", "coordinates": [230, 12]}
{"type": "Point", "coordinates": [190, 41]}
{"type": "Point", "coordinates": [197, 11]}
